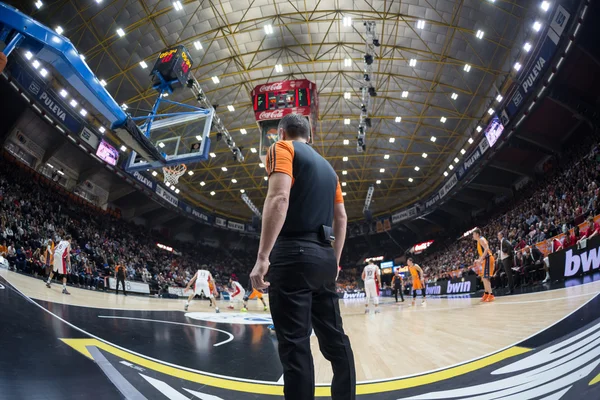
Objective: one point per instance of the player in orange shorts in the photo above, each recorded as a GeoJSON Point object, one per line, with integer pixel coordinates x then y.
{"type": "Point", "coordinates": [486, 260]}
{"type": "Point", "coordinates": [418, 281]}
{"type": "Point", "coordinates": [252, 293]}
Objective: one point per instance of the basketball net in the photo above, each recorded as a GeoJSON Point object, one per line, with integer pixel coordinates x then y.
{"type": "Point", "coordinates": [173, 173]}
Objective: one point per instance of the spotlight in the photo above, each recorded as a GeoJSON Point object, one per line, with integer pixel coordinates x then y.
{"type": "Point", "coordinates": [372, 92]}
{"type": "Point", "coordinates": [368, 59]}
{"type": "Point", "coordinates": [363, 108]}
{"type": "Point", "coordinates": [367, 78]}
{"type": "Point", "coordinates": [376, 43]}
{"type": "Point", "coordinates": [368, 122]}
{"type": "Point", "coordinates": [219, 136]}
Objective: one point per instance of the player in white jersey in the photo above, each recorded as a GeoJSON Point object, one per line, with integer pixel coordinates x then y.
{"type": "Point", "coordinates": [371, 277]}
{"type": "Point", "coordinates": [238, 293]}
{"type": "Point", "coordinates": [203, 278]}
{"type": "Point", "coordinates": [61, 263]}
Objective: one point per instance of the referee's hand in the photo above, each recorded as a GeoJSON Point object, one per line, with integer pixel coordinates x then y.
{"type": "Point", "coordinates": [257, 276]}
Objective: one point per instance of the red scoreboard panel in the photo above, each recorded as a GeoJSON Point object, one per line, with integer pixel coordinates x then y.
{"type": "Point", "coordinates": [273, 101]}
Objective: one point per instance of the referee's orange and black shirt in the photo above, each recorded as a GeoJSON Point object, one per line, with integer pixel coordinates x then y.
{"type": "Point", "coordinates": [315, 186]}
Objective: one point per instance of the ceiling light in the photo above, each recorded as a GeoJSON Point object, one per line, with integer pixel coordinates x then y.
{"type": "Point", "coordinates": [198, 45]}
{"type": "Point", "coordinates": [433, 139]}
{"type": "Point", "coordinates": [98, 1]}
{"type": "Point", "coordinates": [378, 181]}
{"type": "Point", "coordinates": [344, 172]}
{"type": "Point", "coordinates": [443, 120]}
{"type": "Point", "coordinates": [545, 5]}
{"type": "Point", "coordinates": [73, 103]}
{"type": "Point", "coordinates": [60, 172]}
{"type": "Point", "coordinates": [344, 184]}
{"type": "Point", "coordinates": [123, 148]}
{"type": "Point", "coordinates": [224, 169]}
{"type": "Point", "coordinates": [83, 112]}
{"type": "Point", "coordinates": [343, 193]}
{"type": "Point", "coordinates": [470, 140]}
{"type": "Point", "coordinates": [59, 30]}
{"type": "Point", "coordinates": [347, 95]}
{"type": "Point", "coordinates": [253, 150]}
{"type": "Point", "coordinates": [213, 155]}
{"type": "Point", "coordinates": [36, 64]}
{"type": "Point", "coordinates": [517, 66]}
{"type": "Point", "coordinates": [499, 98]}
{"type": "Point", "coordinates": [190, 173]}
{"type": "Point", "coordinates": [527, 47]}
{"type": "Point", "coordinates": [392, 140]}
{"type": "Point", "coordinates": [491, 111]}
{"type": "Point", "coordinates": [39, 4]}
{"type": "Point", "coordinates": [177, 6]}
{"type": "Point", "coordinates": [382, 170]}
{"type": "Point", "coordinates": [212, 193]}
{"type": "Point", "coordinates": [215, 79]}
{"type": "Point", "coordinates": [479, 34]}
{"type": "Point", "coordinates": [456, 160]}
{"type": "Point", "coordinates": [266, 178]}
{"type": "Point", "coordinates": [102, 82]}
{"type": "Point", "coordinates": [43, 72]}
{"type": "Point", "coordinates": [120, 32]}
{"type": "Point", "coordinates": [234, 180]}
{"type": "Point", "coordinates": [347, 62]}
{"type": "Point", "coordinates": [243, 131]}
{"type": "Point", "coordinates": [346, 142]}
{"type": "Point", "coordinates": [50, 165]}
{"type": "Point", "coordinates": [269, 29]}
{"type": "Point", "coordinates": [63, 93]}
{"type": "Point", "coordinates": [124, 106]}
{"type": "Point", "coordinates": [347, 21]}
{"type": "Point", "coordinates": [412, 62]}
{"type": "Point", "coordinates": [410, 179]}
{"type": "Point", "coordinates": [445, 173]}
{"type": "Point", "coordinates": [242, 191]}
{"type": "Point", "coordinates": [198, 137]}
{"type": "Point", "coordinates": [231, 108]}
{"type": "Point", "coordinates": [417, 168]}
{"type": "Point", "coordinates": [478, 129]}
{"type": "Point", "coordinates": [278, 68]}
{"type": "Point", "coordinates": [398, 119]}
{"type": "Point", "coordinates": [424, 155]}
{"type": "Point", "coordinates": [102, 129]}
{"type": "Point", "coordinates": [177, 191]}
{"type": "Point", "coordinates": [346, 121]}
{"type": "Point", "coordinates": [454, 96]}
{"type": "Point", "coordinates": [420, 24]}
{"type": "Point", "coordinates": [386, 157]}
{"type": "Point", "coordinates": [154, 173]}
{"type": "Point", "coordinates": [405, 94]}
{"type": "Point", "coordinates": [467, 67]}
{"type": "Point", "coordinates": [345, 159]}
{"type": "Point", "coordinates": [143, 64]}
{"type": "Point", "coordinates": [462, 151]}
{"type": "Point", "coordinates": [28, 55]}
{"type": "Point", "coordinates": [161, 145]}
{"type": "Point", "coordinates": [537, 25]}
{"type": "Point", "coordinates": [261, 165]}
{"type": "Point", "coordinates": [451, 167]}
{"type": "Point", "coordinates": [202, 183]}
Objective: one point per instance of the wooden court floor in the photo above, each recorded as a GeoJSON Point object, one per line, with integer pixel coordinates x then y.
{"type": "Point", "coordinates": [400, 341]}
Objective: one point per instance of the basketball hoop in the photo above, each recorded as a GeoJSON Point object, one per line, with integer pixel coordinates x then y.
{"type": "Point", "coordinates": [173, 173]}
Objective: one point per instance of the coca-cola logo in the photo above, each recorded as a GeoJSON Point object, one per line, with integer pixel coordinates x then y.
{"type": "Point", "coordinates": [276, 114]}
{"type": "Point", "coordinates": [271, 88]}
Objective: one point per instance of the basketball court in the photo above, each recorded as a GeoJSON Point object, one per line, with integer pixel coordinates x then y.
{"type": "Point", "coordinates": [536, 345]}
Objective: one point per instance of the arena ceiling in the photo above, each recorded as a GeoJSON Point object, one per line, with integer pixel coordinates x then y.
{"type": "Point", "coordinates": [311, 41]}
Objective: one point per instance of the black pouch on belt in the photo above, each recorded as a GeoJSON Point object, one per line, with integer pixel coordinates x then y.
{"type": "Point", "coordinates": [326, 234]}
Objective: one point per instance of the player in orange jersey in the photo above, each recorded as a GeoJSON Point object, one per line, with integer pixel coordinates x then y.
{"type": "Point", "coordinates": [486, 260]}
{"type": "Point", "coordinates": [418, 280]}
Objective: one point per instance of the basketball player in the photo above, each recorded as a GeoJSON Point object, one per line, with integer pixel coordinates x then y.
{"type": "Point", "coordinates": [202, 278]}
{"type": "Point", "coordinates": [254, 294]}
{"type": "Point", "coordinates": [62, 262]}
{"type": "Point", "coordinates": [238, 293]}
{"type": "Point", "coordinates": [371, 276]}
{"type": "Point", "coordinates": [418, 282]}
{"type": "Point", "coordinates": [49, 255]}
{"type": "Point", "coordinates": [486, 260]}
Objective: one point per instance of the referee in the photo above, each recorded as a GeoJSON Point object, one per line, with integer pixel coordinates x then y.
{"type": "Point", "coordinates": [302, 214]}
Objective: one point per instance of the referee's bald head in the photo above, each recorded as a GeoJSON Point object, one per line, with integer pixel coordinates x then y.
{"type": "Point", "coordinates": [294, 126]}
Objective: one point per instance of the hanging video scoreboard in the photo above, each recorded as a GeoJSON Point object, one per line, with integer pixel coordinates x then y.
{"type": "Point", "coordinates": [173, 64]}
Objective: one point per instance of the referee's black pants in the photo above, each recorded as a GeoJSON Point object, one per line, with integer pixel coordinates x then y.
{"type": "Point", "coordinates": [121, 279]}
{"type": "Point", "coordinates": [507, 264]}
{"type": "Point", "coordinates": [398, 290]}
{"type": "Point", "coordinates": [302, 296]}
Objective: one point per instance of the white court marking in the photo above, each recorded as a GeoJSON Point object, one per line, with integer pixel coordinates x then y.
{"type": "Point", "coordinates": [232, 318]}
{"type": "Point", "coordinates": [174, 323]}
